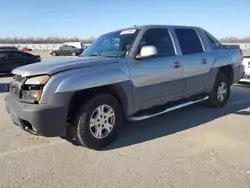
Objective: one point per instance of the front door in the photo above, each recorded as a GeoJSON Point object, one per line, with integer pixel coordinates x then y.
{"type": "Point", "coordinates": [14, 60]}
{"type": "Point", "coordinates": [65, 50]}
{"type": "Point", "coordinates": [157, 80]}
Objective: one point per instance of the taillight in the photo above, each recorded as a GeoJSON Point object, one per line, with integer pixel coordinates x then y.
{"type": "Point", "coordinates": [39, 58]}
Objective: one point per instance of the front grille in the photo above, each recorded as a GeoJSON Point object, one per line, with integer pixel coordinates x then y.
{"type": "Point", "coordinates": [16, 85]}
{"type": "Point", "coordinates": [19, 78]}
{"type": "Point", "coordinates": [14, 90]}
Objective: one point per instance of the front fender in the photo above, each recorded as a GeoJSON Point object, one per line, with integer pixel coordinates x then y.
{"type": "Point", "coordinates": [91, 80]}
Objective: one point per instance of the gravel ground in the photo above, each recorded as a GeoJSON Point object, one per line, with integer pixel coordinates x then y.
{"type": "Point", "coordinates": [192, 147]}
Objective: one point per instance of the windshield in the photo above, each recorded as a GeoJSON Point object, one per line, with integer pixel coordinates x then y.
{"type": "Point", "coordinates": [112, 45]}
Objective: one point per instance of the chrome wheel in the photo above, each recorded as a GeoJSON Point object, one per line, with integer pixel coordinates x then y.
{"type": "Point", "coordinates": [222, 92]}
{"type": "Point", "coordinates": [102, 121]}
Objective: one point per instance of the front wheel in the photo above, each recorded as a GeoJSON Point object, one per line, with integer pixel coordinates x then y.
{"type": "Point", "coordinates": [73, 54]}
{"type": "Point", "coordinates": [54, 54]}
{"type": "Point", "coordinates": [98, 121]}
{"type": "Point", "coordinates": [220, 93]}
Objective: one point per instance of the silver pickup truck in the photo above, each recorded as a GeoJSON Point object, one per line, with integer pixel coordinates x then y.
{"type": "Point", "coordinates": [134, 73]}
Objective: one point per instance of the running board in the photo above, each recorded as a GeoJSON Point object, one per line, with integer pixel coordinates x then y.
{"type": "Point", "coordinates": [143, 117]}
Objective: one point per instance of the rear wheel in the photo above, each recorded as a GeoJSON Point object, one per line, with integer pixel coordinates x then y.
{"type": "Point", "coordinates": [220, 93]}
{"type": "Point", "coordinates": [97, 122]}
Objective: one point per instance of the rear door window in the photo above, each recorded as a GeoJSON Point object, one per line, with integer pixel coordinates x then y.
{"type": "Point", "coordinates": [189, 41]}
{"type": "Point", "coordinates": [161, 39]}
{"type": "Point", "coordinates": [14, 54]}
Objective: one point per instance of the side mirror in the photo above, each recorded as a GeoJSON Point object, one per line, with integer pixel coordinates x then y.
{"type": "Point", "coordinates": [146, 52]}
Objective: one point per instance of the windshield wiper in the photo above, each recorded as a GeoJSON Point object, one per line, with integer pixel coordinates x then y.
{"type": "Point", "coordinates": [93, 55]}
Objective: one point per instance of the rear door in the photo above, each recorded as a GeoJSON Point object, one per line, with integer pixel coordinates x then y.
{"type": "Point", "coordinates": [3, 62]}
{"type": "Point", "coordinates": [196, 64]}
{"type": "Point", "coordinates": [29, 58]}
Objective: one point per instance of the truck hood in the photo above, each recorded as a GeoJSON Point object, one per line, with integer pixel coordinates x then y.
{"type": "Point", "coordinates": [52, 67]}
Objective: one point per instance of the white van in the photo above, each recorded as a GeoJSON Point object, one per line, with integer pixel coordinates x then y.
{"type": "Point", "coordinates": [79, 45]}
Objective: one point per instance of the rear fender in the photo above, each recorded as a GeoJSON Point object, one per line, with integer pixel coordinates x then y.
{"type": "Point", "coordinates": [222, 61]}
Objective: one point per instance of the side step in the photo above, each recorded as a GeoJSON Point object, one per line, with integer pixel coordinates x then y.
{"type": "Point", "coordinates": [143, 117]}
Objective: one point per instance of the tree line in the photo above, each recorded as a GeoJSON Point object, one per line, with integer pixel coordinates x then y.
{"type": "Point", "coordinates": [59, 40]}
{"type": "Point", "coordinates": [43, 40]}
{"type": "Point", "coordinates": [235, 40]}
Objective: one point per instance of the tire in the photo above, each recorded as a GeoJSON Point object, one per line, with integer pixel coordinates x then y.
{"type": "Point", "coordinates": [97, 136]}
{"type": "Point", "coordinates": [54, 54]}
{"type": "Point", "coordinates": [221, 82]}
{"type": "Point", "coordinates": [73, 54]}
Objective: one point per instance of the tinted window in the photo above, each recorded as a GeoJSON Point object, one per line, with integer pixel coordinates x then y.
{"type": "Point", "coordinates": [64, 47]}
{"type": "Point", "coordinates": [160, 38]}
{"type": "Point", "coordinates": [14, 54]}
{"type": "Point", "coordinates": [189, 41]}
{"type": "Point", "coordinates": [3, 55]}
{"type": "Point", "coordinates": [26, 55]}
{"type": "Point", "coordinates": [211, 40]}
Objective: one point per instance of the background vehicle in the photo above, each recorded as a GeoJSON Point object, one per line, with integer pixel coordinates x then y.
{"type": "Point", "coordinates": [79, 45]}
{"type": "Point", "coordinates": [246, 63]}
{"type": "Point", "coordinates": [67, 50]}
{"type": "Point", "coordinates": [8, 48]}
{"type": "Point", "coordinates": [11, 59]}
{"type": "Point", "coordinates": [135, 73]}
{"type": "Point", "coordinates": [26, 49]}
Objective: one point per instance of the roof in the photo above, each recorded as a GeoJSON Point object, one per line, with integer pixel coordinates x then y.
{"type": "Point", "coordinates": [153, 26]}
{"type": "Point", "coordinates": [8, 49]}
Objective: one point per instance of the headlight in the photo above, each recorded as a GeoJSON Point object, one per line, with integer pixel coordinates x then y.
{"type": "Point", "coordinates": [32, 94]}
{"type": "Point", "coordinates": [39, 80]}
{"type": "Point", "coordinates": [33, 87]}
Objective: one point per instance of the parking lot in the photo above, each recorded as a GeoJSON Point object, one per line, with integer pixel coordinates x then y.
{"type": "Point", "coordinates": [193, 147]}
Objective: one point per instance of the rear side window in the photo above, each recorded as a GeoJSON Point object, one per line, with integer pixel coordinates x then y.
{"type": "Point", "coordinates": [189, 41]}
{"type": "Point", "coordinates": [210, 39]}
{"type": "Point", "coordinates": [160, 38]}
{"type": "Point", "coordinates": [26, 55]}
{"type": "Point", "coordinates": [213, 42]}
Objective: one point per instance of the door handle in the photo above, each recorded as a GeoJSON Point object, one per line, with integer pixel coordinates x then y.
{"type": "Point", "coordinates": [176, 65]}
{"type": "Point", "coordinates": [204, 61]}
